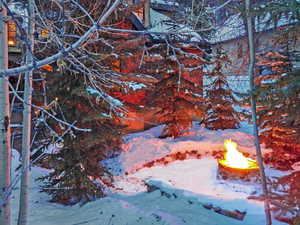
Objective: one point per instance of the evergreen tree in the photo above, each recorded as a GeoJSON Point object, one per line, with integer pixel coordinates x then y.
{"type": "Point", "coordinates": [178, 95]}
{"type": "Point", "coordinates": [78, 175]}
{"type": "Point", "coordinates": [286, 211]}
{"type": "Point", "coordinates": [175, 101]}
{"type": "Point", "coordinates": [77, 172]}
{"type": "Point", "coordinates": [220, 113]}
{"type": "Point", "coordinates": [279, 103]}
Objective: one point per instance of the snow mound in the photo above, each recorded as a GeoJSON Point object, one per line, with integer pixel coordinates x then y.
{"type": "Point", "coordinates": [195, 182]}
{"type": "Point", "coordinates": [145, 147]}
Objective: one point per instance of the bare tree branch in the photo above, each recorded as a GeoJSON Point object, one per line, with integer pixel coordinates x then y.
{"type": "Point", "coordinates": [63, 52]}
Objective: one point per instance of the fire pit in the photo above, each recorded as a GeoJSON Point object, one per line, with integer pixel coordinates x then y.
{"type": "Point", "coordinates": [235, 165]}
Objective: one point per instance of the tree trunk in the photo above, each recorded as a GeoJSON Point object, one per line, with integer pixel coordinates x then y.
{"type": "Point", "coordinates": [253, 110]}
{"type": "Point", "coordinates": [26, 131]}
{"type": "Point", "coordinates": [5, 135]}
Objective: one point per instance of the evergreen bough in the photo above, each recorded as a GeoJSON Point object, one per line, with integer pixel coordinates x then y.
{"type": "Point", "coordinates": [77, 174]}
{"type": "Point", "coordinates": [219, 98]}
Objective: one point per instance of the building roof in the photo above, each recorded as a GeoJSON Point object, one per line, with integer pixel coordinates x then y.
{"type": "Point", "coordinates": [234, 27]}
{"type": "Point", "coordinates": [163, 24]}
{"type": "Point", "coordinates": [166, 5]}
{"type": "Point", "coordinates": [19, 10]}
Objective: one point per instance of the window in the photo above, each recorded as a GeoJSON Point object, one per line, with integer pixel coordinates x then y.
{"type": "Point", "coordinates": [44, 33]}
{"type": "Point", "coordinates": [12, 34]}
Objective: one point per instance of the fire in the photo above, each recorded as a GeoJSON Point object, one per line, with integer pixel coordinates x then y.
{"type": "Point", "coordinates": [235, 159]}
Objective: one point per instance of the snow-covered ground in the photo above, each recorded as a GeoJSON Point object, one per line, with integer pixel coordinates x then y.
{"type": "Point", "coordinates": [184, 185]}
{"type": "Point", "coordinates": [144, 147]}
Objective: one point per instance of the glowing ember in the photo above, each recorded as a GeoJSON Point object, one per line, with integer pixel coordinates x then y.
{"type": "Point", "coordinates": [235, 159]}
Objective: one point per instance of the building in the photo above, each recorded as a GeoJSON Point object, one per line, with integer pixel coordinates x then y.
{"type": "Point", "coordinates": [231, 32]}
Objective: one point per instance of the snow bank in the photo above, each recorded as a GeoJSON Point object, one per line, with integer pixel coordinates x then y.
{"type": "Point", "coordinates": [142, 208]}
{"type": "Point", "coordinates": [195, 182]}
{"type": "Point", "coordinates": [144, 147]}
{"type": "Point", "coordinates": [189, 184]}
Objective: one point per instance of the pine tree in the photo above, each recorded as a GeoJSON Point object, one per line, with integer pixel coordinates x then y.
{"type": "Point", "coordinates": [78, 175]}
{"type": "Point", "coordinates": [289, 199]}
{"type": "Point", "coordinates": [178, 94]}
{"type": "Point", "coordinates": [220, 113]}
{"type": "Point", "coordinates": [279, 103]}
{"type": "Point", "coordinates": [175, 102]}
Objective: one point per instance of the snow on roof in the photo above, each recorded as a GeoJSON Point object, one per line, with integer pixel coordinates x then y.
{"type": "Point", "coordinates": [158, 21]}
{"type": "Point", "coordinates": [234, 27]}
{"type": "Point", "coordinates": [163, 24]}
{"type": "Point", "coordinates": [18, 8]}
{"type": "Point", "coordinates": [165, 2]}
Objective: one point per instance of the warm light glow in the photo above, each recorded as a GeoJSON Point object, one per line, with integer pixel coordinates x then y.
{"type": "Point", "coordinates": [47, 67]}
{"type": "Point", "coordinates": [11, 33]}
{"type": "Point", "coordinates": [235, 159]}
{"type": "Point", "coordinates": [11, 43]}
{"type": "Point", "coordinates": [45, 33]}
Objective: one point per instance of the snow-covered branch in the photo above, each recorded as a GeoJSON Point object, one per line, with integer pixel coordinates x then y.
{"type": "Point", "coordinates": [64, 51]}
{"type": "Point", "coordinates": [46, 112]}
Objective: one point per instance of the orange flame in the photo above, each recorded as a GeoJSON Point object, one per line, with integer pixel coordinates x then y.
{"type": "Point", "coordinates": [235, 159]}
